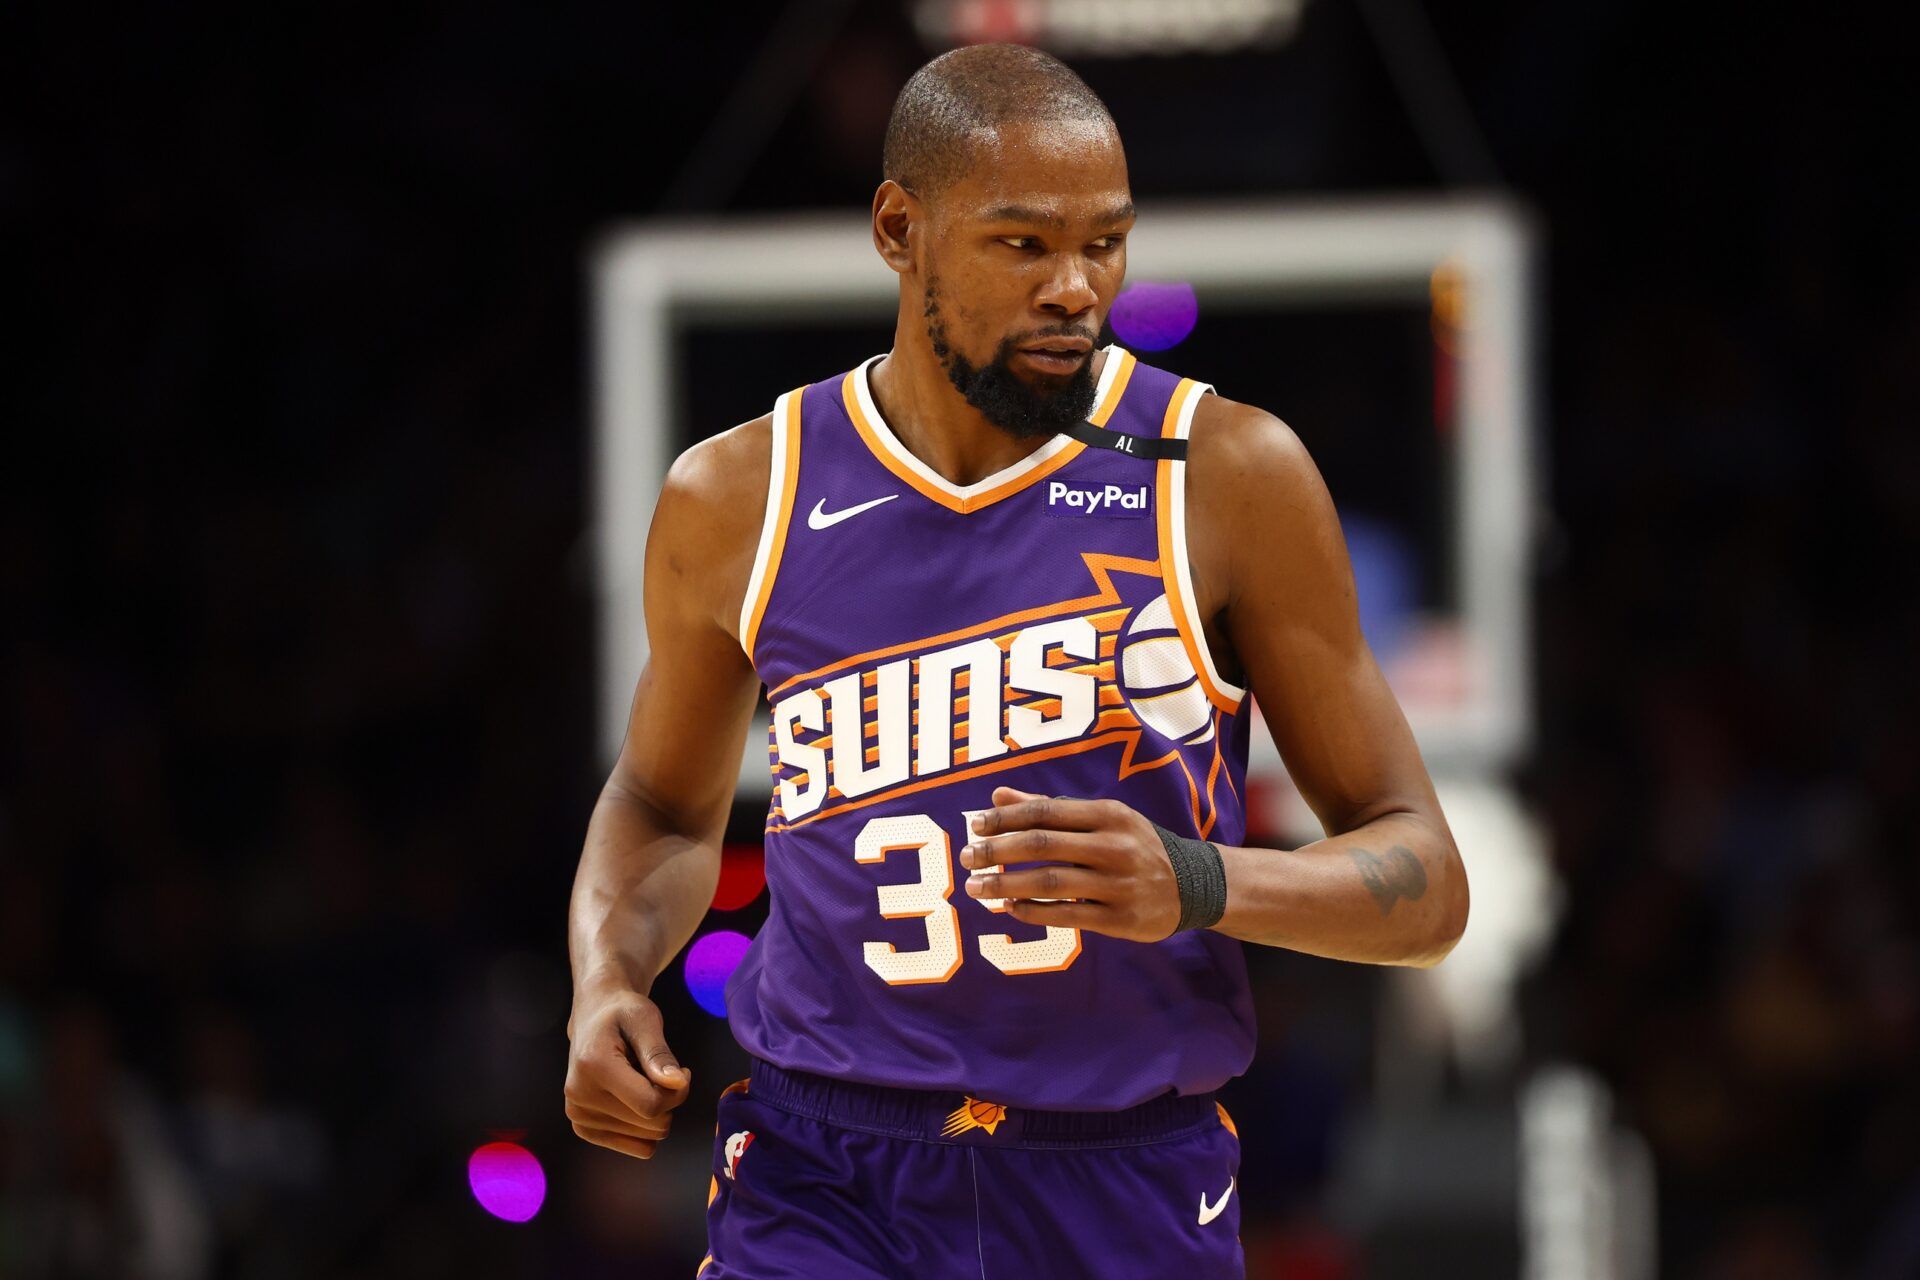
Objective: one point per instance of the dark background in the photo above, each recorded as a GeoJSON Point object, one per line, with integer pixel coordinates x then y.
{"type": "Point", "coordinates": [296, 733]}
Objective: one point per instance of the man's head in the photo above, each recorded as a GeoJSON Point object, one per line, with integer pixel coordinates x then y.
{"type": "Point", "coordinates": [1005, 208]}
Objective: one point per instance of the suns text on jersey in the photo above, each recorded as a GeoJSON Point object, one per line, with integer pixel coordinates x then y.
{"type": "Point", "coordinates": [871, 728]}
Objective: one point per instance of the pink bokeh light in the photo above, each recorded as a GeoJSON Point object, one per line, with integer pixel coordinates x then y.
{"type": "Point", "coordinates": [507, 1181]}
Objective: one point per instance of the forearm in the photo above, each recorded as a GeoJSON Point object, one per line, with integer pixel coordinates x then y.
{"type": "Point", "coordinates": [643, 886]}
{"type": "Point", "coordinates": [1390, 891]}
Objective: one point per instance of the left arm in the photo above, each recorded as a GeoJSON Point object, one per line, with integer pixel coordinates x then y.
{"type": "Point", "coordinates": [1387, 885]}
{"type": "Point", "coordinates": [1274, 584]}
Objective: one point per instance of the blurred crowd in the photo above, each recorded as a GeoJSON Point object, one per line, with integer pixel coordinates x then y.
{"type": "Point", "coordinates": [296, 684]}
{"type": "Point", "coordinates": [1734, 739]}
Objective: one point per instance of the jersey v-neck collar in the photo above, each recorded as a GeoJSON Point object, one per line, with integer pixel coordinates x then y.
{"type": "Point", "coordinates": [1007, 481]}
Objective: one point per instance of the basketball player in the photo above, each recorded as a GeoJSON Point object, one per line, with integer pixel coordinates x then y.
{"type": "Point", "coordinates": [1009, 594]}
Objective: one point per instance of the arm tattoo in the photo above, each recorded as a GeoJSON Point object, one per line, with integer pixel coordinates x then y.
{"type": "Point", "coordinates": [1397, 875]}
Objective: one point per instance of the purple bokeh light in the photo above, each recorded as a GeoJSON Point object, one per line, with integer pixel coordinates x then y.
{"type": "Point", "coordinates": [711, 960]}
{"type": "Point", "coordinates": [1154, 317]}
{"type": "Point", "coordinates": [507, 1181]}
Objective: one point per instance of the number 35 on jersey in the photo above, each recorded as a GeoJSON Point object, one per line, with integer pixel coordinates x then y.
{"type": "Point", "coordinates": [929, 899]}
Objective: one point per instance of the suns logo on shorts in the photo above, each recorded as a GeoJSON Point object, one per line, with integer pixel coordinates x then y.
{"type": "Point", "coordinates": [736, 1147]}
{"type": "Point", "coordinates": [1086, 672]}
{"type": "Point", "coordinates": [974, 1114]}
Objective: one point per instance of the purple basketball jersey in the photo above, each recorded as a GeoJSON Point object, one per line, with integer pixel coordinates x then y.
{"type": "Point", "coordinates": [924, 642]}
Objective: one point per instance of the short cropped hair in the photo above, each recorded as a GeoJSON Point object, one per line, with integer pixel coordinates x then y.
{"type": "Point", "coordinates": [930, 134]}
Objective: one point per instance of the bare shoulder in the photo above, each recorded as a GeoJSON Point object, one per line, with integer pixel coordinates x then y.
{"type": "Point", "coordinates": [723, 469]}
{"type": "Point", "coordinates": [706, 526]}
{"type": "Point", "coordinates": [1260, 522]}
{"type": "Point", "coordinates": [1241, 448]}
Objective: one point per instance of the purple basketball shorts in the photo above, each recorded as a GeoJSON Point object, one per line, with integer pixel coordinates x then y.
{"type": "Point", "coordinates": [818, 1179]}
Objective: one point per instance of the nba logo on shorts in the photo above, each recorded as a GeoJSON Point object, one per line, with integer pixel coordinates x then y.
{"type": "Point", "coordinates": [737, 1147]}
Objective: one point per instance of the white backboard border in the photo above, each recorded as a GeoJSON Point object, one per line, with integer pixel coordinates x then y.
{"type": "Point", "coordinates": [650, 279]}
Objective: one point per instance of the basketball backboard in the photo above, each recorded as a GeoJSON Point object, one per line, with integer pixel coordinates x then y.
{"type": "Point", "coordinates": [1394, 336]}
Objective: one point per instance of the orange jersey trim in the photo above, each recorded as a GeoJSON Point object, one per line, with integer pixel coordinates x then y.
{"type": "Point", "coordinates": [1123, 373]}
{"type": "Point", "coordinates": [790, 469]}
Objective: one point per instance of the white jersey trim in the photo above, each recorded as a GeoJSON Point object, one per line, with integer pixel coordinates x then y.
{"type": "Point", "coordinates": [961, 492]}
{"type": "Point", "coordinates": [772, 524]}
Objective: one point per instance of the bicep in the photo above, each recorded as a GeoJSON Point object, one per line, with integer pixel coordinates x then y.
{"type": "Point", "coordinates": [1293, 617]}
{"type": "Point", "coordinates": [694, 701]}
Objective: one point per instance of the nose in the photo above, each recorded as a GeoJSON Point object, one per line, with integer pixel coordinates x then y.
{"type": "Point", "coordinates": [1067, 292]}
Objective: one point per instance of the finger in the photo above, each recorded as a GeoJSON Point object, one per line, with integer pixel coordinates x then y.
{"type": "Point", "coordinates": [1023, 810]}
{"type": "Point", "coordinates": [1040, 882]}
{"type": "Point", "coordinates": [1083, 848]}
{"type": "Point", "coordinates": [615, 1084]}
{"type": "Point", "coordinates": [582, 1113]}
{"type": "Point", "coordinates": [650, 1052]}
{"type": "Point", "coordinates": [637, 1147]}
{"type": "Point", "coordinates": [1095, 916]}
{"type": "Point", "coordinates": [627, 1128]}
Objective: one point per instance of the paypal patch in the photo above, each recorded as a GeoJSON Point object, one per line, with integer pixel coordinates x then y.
{"type": "Point", "coordinates": [1098, 498]}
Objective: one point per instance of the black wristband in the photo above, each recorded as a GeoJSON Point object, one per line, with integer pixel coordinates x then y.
{"type": "Point", "coordinates": [1202, 877]}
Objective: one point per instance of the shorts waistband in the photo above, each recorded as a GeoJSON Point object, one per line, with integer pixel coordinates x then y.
{"type": "Point", "coordinates": [948, 1116]}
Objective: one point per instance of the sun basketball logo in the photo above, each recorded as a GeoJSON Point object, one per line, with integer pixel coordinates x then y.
{"type": "Point", "coordinates": [1158, 680]}
{"type": "Point", "coordinates": [974, 1114]}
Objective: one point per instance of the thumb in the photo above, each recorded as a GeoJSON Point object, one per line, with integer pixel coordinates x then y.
{"type": "Point", "coordinates": [663, 1068]}
{"type": "Point", "coordinates": [1013, 795]}
{"type": "Point", "coordinates": [650, 1052]}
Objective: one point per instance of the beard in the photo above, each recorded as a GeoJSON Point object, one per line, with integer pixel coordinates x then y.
{"type": "Point", "coordinates": [1000, 395]}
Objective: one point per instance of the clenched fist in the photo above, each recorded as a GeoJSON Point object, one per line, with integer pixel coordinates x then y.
{"type": "Point", "coordinates": [622, 1080]}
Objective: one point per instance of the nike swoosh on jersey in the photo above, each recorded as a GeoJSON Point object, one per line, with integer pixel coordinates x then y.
{"type": "Point", "coordinates": [820, 518]}
{"type": "Point", "coordinates": [1209, 1214]}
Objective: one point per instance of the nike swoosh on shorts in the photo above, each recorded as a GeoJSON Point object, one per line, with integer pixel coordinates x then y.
{"type": "Point", "coordinates": [1208, 1214]}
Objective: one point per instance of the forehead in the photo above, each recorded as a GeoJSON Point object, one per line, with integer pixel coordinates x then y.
{"type": "Point", "coordinates": [1062, 170]}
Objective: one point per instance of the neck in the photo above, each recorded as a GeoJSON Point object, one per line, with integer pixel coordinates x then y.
{"type": "Point", "coordinates": [929, 416]}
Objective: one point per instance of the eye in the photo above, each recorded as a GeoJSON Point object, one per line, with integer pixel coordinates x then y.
{"type": "Point", "coordinates": [1109, 242]}
{"type": "Point", "coordinates": [1020, 242]}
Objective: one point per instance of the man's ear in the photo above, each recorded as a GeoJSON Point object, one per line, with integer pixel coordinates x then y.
{"type": "Point", "coordinates": [896, 211]}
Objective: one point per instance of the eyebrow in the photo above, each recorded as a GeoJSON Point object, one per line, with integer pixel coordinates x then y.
{"type": "Point", "coordinates": [1025, 213]}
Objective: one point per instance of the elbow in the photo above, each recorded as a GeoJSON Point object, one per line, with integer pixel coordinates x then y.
{"type": "Point", "coordinates": [1450, 922]}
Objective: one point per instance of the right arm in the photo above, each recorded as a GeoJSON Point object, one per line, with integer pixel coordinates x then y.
{"type": "Point", "coordinates": [652, 856]}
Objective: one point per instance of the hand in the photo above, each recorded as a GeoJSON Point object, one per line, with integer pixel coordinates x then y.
{"type": "Point", "coordinates": [622, 1080]}
{"type": "Point", "coordinates": [1117, 868]}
